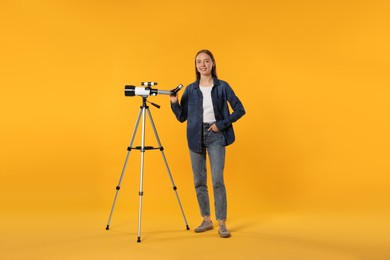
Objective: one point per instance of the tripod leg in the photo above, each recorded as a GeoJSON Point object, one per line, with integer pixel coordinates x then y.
{"type": "Point", "coordinates": [123, 170]}
{"type": "Point", "coordinates": [166, 165]}
{"type": "Point", "coordinates": [141, 193]}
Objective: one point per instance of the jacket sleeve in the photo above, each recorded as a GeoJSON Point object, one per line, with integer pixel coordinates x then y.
{"type": "Point", "coordinates": [180, 109]}
{"type": "Point", "coordinates": [236, 105]}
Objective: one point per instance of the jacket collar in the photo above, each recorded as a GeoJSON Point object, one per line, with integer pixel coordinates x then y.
{"type": "Point", "coordinates": [216, 82]}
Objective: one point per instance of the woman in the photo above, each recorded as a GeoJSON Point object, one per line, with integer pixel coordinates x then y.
{"type": "Point", "coordinates": [209, 130]}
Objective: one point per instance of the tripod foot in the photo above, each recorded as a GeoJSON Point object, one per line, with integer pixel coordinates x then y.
{"type": "Point", "coordinates": [188, 228]}
{"type": "Point", "coordinates": [139, 240]}
{"type": "Point", "coordinates": [108, 227]}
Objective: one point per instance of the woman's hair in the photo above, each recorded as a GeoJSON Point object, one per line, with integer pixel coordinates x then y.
{"type": "Point", "coordinates": [213, 70]}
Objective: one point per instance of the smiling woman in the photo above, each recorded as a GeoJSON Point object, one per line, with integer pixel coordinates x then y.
{"type": "Point", "coordinates": [209, 129]}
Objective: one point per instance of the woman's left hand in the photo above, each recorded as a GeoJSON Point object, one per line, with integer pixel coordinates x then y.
{"type": "Point", "coordinates": [213, 128]}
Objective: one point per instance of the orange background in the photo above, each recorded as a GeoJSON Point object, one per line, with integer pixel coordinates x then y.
{"type": "Point", "coordinates": [313, 77]}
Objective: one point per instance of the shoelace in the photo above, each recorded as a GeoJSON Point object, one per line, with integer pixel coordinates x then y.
{"type": "Point", "coordinates": [222, 228]}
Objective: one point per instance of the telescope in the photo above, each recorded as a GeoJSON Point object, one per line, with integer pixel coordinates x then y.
{"type": "Point", "coordinates": [146, 90]}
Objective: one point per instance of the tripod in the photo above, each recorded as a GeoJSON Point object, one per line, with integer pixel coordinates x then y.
{"type": "Point", "coordinates": [142, 149]}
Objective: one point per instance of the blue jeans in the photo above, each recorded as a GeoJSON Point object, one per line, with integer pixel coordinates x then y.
{"type": "Point", "coordinates": [212, 143]}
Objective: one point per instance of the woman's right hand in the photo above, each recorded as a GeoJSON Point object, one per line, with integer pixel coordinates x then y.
{"type": "Point", "coordinates": [173, 98]}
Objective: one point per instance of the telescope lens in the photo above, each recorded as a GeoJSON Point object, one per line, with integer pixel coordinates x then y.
{"type": "Point", "coordinates": [129, 91]}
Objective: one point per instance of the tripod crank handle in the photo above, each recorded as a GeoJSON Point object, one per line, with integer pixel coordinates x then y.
{"type": "Point", "coordinates": [154, 104]}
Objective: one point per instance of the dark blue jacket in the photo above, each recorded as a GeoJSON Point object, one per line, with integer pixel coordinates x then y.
{"type": "Point", "coordinates": [191, 109]}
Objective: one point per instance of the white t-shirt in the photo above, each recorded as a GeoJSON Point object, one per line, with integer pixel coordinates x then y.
{"type": "Point", "coordinates": [208, 110]}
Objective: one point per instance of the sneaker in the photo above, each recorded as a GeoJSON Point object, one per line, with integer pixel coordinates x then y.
{"type": "Point", "coordinates": [223, 232]}
{"type": "Point", "coordinates": [204, 227]}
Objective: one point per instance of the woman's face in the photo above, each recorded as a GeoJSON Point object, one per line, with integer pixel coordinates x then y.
{"type": "Point", "coordinates": [204, 64]}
